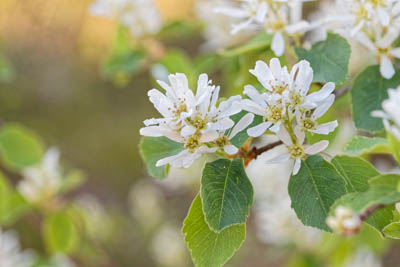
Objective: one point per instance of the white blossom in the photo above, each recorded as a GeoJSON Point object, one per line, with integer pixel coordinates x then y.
{"type": "Point", "coordinates": [10, 251]}
{"type": "Point", "coordinates": [194, 120]}
{"type": "Point", "coordinates": [363, 257]}
{"type": "Point", "coordinates": [295, 148]}
{"type": "Point", "coordinates": [44, 181]}
{"type": "Point", "coordinates": [391, 112]}
{"type": "Point", "coordinates": [140, 16]}
{"type": "Point", "coordinates": [344, 221]}
{"type": "Point", "coordinates": [280, 18]}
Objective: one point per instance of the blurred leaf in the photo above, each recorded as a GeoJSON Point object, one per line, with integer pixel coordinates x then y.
{"type": "Point", "coordinates": [73, 180]}
{"type": "Point", "coordinates": [329, 59]}
{"type": "Point", "coordinates": [226, 193]}
{"type": "Point", "coordinates": [60, 233]}
{"type": "Point", "coordinates": [176, 61]}
{"type": "Point", "coordinates": [19, 147]}
{"type": "Point", "coordinates": [360, 145]}
{"type": "Point", "coordinates": [242, 136]}
{"type": "Point", "coordinates": [368, 92]}
{"type": "Point", "coordinates": [392, 230]}
{"type": "Point", "coordinates": [210, 249]}
{"type": "Point", "coordinates": [152, 149]}
{"type": "Point", "coordinates": [314, 189]}
{"type": "Point", "coordinates": [261, 41]}
{"type": "Point", "coordinates": [124, 60]}
{"type": "Point", "coordinates": [7, 70]}
{"type": "Point", "coordinates": [355, 171]}
{"type": "Point", "coordinates": [394, 145]}
{"type": "Point", "coordinates": [179, 30]}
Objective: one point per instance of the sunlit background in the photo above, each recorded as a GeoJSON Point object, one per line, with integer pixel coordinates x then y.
{"type": "Point", "coordinates": [52, 54]}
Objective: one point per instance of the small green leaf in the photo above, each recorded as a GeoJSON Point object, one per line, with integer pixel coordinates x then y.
{"type": "Point", "coordinates": [73, 180]}
{"type": "Point", "coordinates": [392, 230]}
{"type": "Point", "coordinates": [152, 149]}
{"type": "Point", "coordinates": [368, 92]}
{"type": "Point", "coordinates": [394, 145]}
{"type": "Point", "coordinates": [360, 145]}
{"type": "Point", "coordinates": [261, 41]}
{"type": "Point", "coordinates": [242, 136]}
{"type": "Point", "coordinates": [19, 147]}
{"type": "Point", "coordinates": [226, 193]}
{"type": "Point", "coordinates": [389, 180]}
{"type": "Point", "coordinates": [355, 171]}
{"type": "Point", "coordinates": [210, 249]}
{"type": "Point", "coordinates": [60, 233]}
{"type": "Point", "coordinates": [314, 189]}
{"type": "Point", "coordinates": [329, 59]}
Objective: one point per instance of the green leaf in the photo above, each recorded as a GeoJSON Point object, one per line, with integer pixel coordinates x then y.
{"type": "Point", "coordinates": [329, 59]}
{"type": "Point", "coordinates": [73, 180]}
{"type": "Point", "coordinates": [392, 230]}
{"type": "Point", "coordinates": [389, 180]}
{"type": "Point", "coordinates": [226, 193]}
{"type": "Point", "coordinates": [177, 61]}
{"type": "Point", "coordinates": [208, 248]}
{"type": "Point", "coordinates": [314, 189]}
{"type": "Point", "coordinates": [7, 70]}
{"type": "Point", "coordinates": [368, 92]}
{"type": "Point", "coordinates": [242, 136]}
{"type": "Point", "coordinates": [360, 145]}
{"type": "Point", "coordinates": [261, 41]}
{"type": "Point", "coordinates": [60, 233]}
{"type": "Point", "coordinates": [19, 147]}
{"type": "Point", "coordinates": [152, 149]}
{"type": "Point", "coordinates": [355, 171]}
{"type": "Point", "coordinates": [394, 146]}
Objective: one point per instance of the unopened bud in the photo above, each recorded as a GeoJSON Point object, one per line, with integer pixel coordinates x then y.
{"type": "Point", "coordinates": [345, 221]}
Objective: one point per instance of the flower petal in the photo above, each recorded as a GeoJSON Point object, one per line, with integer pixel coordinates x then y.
{"type": "Point", "coordinates": [325, 128]}
{"type": "Point", "coordinates": [386, 67]}
{"type": "Point", "coordinates": [231, 149]}
{"type": "Point", "coordinates": [242, 124]}
{"type": "Point", "coordinates": [317, 147]}
{"type": "Point", "coordinates": [259, 129]}
{"type": "Point", "coordinates": [278, 44]}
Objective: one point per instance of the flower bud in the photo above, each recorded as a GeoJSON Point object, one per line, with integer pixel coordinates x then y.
{"type": "Point", "coordinates": [345, 221]}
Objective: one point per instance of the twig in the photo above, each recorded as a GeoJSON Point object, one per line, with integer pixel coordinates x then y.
{"type": "Point", "coordinates": [255, 152]}
{"type": "Point", "coordinates": [342, 92]}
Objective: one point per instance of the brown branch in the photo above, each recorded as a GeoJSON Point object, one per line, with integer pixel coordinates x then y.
{"type": "Point", "coordinates": [371, 210]}
{"type": "Point", "coordinates": [342, 92]}
{"type": "Point", "coordinates": [255, 152]}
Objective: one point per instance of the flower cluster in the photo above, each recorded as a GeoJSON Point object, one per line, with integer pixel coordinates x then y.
{"type": "Point", "coordinates": [374, 24]}
{"type": "Point", "coordinates": [140, 16]}
{"type": "Point", "coordinates": [42, 182]}
{"type": "Point", "coordinates": [391, 113]}
{"type": "Point", "coordinates": [287, 108]}
{"type": "Point", "coordinates": [344, 221]}
{"type": "Point", "coordinates": [281, 18]}
{"type": "Point", "coordinates": [196, 120]}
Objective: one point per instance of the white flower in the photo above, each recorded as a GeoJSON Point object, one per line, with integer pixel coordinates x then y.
{"type": "Point", "coordinates": [42, 182]}
{"type": "Point", "coordinates": [381, 45]}
{"type": "Point", "coordinates": [278, 17]}
{"type": "Point", "coordinates": [363, 258]}
{"type": "Point", "coordinates": [60, 260]}
{"type": "Point", "coordinates": [10, 251]}
{"type": "Point", "coordinates": [391, 112]}
{"type": "Point", "coordinates": [194, 120]}
{"type": "Point", "coordinates": [296, 150]}
{"type": "Point", "coordinates": [140, 16]}
{"type": "Point", "coordinates": [344, 221]}
{"type": "Point", "coordinates": [250, 11]}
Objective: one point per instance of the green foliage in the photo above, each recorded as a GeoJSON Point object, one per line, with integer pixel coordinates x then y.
{"type": "Point", "coordinates": [329, 59]}
{"type": "Point", "coordinates": [368, 92]}
{"type": "Point", "coordinates": [242, 136]}
{"type": "Point", "coordinates": [60, 233]}
{"type": "Point", "coordinates": [19, 147]}
{"type": "Point", "coordinates": [7, 70]}
{"type": "Point", "coordinates": [208, 248]}
{"type": "Point", "coordinates": [394, 146]}
{"type": "Point", "coordinates": [392, 230]}
{"type": "Point", "coordinates": [261, 41]}
{"type": "Point", "coordinates": [360, 145]}
{"type": "Point", "coordinates": [153, 149]}
{"type": "Point", "coordinates": [355, 171]}
{"type": "Point", "coordinates": [314, 189]}
{"type": "Point", "coordinates": [226, 193]}
{"type": "Point", "coordinates": [125, 59]}
{"type": "Point", "coordinates": [177, 61]}
{"type": "Point", "coordinates": [12, 205]}
{"type": "Point", "coordinates": [73, 180]}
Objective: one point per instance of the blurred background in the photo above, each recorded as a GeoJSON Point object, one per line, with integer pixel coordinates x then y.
{"type": "Point", "coordinates": [53, 81]}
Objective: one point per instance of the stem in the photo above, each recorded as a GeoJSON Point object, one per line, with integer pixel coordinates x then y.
{"type": "Point", "coordinates": [371, 210]}
{"type": "Point", "coordinates": [343, 91]}
{"type": "Point", "coordinates": [255, 152]}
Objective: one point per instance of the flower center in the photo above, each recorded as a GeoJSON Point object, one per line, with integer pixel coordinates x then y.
{"type": "Point", "coordinates": [377, 3]}
{"type": "Point", "coordinates": [275, 114]}
{"type": "Point", "coordinates": [222, 141]}
{"type": "Point", "coordinates": [295, 98]}
{"type": "Point", "coordinates": [296, 151]}
{"type": "Point", "coordinates": [362, 14]}
{"type": "Point", "coordinates": [199, 123]}
{"type": "Point", "coordinates": [308, 124]}
{"type": "Point", "coordinates": [192, 143]}
{"type": "Point", "coordinates": [278, 25]}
